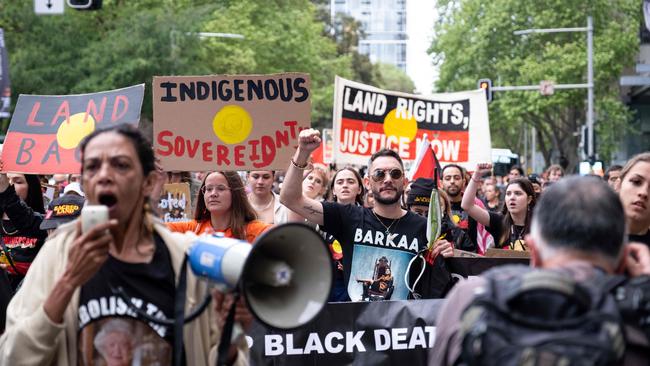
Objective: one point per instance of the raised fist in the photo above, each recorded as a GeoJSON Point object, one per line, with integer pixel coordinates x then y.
{"type": "Point", "coordinates": [309, 140]}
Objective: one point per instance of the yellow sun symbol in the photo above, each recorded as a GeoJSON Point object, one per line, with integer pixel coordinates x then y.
{"type": "Point", "coordinates": [337, 247]}
{"type": "Point", "coordinates": [400, 127]}
{"type": "Point", "coordinates": [71, 132]}
{"type": "Point", "coordinates": [232, 124]}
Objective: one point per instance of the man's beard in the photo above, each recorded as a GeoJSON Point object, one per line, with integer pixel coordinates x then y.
{"type": "Point", "coordinates": [447, 190]}
{"type": "Point", "coordinates": [387, 201]}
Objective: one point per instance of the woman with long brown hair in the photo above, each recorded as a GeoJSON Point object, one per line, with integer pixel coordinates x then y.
{"type": "Point", "coordinates": [511, 225]}
{"type": "Point", "coordinates": [222, 206]}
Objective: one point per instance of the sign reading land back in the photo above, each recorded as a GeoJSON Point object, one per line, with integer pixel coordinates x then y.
{"type": "Point", "coordinates": [229, 122]}
{"type": "Point", "coordinates": [367, 119]}
{"type": "Point", "coordinates": [45, 130]}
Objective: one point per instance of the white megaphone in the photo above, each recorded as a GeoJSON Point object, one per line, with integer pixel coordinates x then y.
{"type": "Point", "coordinates": [285, 276]}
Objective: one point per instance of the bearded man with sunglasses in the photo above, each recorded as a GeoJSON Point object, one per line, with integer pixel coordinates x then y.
{"type": "Point", "coordinates": [386, 235]}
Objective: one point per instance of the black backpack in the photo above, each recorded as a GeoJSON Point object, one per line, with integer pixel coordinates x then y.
{"type": "Point", "coordinates": [527, 316]}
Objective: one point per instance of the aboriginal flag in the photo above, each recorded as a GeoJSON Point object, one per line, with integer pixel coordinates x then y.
{"type": "Point", "coordinates": [46, 130]}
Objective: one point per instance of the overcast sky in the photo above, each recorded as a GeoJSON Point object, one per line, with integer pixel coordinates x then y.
{"type": "Point", "coordinates": [419, 25]}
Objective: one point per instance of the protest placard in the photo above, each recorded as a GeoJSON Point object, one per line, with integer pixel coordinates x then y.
{"type": "Point", "coordinates": [229, 122]}
{"type": "Point", "coordinates": [45, 130]}
{"type": "Point", "coordinates": [368, 118]}
{"type": "Point", "coordinates": [175, 202]}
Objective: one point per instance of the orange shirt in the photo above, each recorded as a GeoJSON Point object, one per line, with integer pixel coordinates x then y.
{"type": "Point", "coordinates": [253, 228]}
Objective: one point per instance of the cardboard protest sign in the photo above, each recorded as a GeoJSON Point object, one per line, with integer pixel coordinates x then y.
{"type": "Point", "coordinates": [175, 202]}
{"type": "Point", "coordinates": [45, 130]}
{"type": "Point", "coordinates": [229, 122]}
{"type": "Point", "coordinates": [367, 119]}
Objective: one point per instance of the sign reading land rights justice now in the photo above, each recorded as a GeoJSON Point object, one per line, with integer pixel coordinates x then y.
{"type": "Point", "coordinates": [229, 122]}
{"type": "Point", "coordinates": [45, 130]}
{"type": "Point", "coordinates": [367, 119]}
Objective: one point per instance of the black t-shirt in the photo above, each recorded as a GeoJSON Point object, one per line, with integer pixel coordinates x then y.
{"type": "Point", "coordinates": [370, 254]}
{"type": "Point", "coordinates": [112, 333]}
{"type": "Point", "coordinates": [463, 221]}
{"type": "Point", "coordinates": [645, 238]}
{"type": "Point", "coordinates": [515, 240]}
{"type": "Point", "coordinates": [21, 235]}
{"type": "Point", "coordinates": [338, 292]}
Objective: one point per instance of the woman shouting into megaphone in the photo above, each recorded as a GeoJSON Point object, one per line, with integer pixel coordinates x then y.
{"type": "Point", "coordinates": [68, 308]}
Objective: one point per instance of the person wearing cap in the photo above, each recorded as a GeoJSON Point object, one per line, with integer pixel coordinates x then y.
{"type": "Point", "coordinates": [62, 210]}
{"type": "Point", "coordinates": [74, 188]}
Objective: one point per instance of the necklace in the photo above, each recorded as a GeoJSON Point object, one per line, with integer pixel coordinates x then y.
{"type": "Point", "coordinates": [518, 237]}
{"type": "Point", "coordinates": [384, 225]}
{"type": "Point", "coordinates": [2, 225]}
{"type": "Point", "coordinates": [260, 209]}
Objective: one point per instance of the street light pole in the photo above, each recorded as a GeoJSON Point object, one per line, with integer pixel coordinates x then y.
{"type": "Point", "coordinates": [589, 29]}
{"type": "Point", "coordinates": [590, 91]}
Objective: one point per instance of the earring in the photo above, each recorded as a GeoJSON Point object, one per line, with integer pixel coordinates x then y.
{"type": "Point", "coordinates": [148, 213]}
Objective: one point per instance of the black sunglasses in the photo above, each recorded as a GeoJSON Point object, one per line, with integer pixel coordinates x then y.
{"type": "Point", "coordinates": [379, 174]}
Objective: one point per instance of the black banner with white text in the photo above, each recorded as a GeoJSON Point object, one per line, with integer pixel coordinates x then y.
{"type": "Point", "coordinates": [359, 333]}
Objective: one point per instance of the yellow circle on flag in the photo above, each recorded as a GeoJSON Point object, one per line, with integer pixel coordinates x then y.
{"type": "Point", "coordinates": [71, 132]}
{"type": "Point", "coordinates": [232, 124]}
{"type": "Point", "coordinates": [336, 246]}
{"type": "Point", "coordinates": [401, 126]}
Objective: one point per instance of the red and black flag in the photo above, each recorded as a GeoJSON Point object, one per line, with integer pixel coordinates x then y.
{"type": "Point", "coordinates": [46, 130]}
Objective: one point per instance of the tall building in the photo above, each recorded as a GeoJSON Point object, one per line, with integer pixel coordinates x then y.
{"type": "Point", "coordinates": [384, 25]}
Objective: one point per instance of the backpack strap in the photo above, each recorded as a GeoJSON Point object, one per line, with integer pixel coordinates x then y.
{"type": "Point", "coordinates": [610, 283]}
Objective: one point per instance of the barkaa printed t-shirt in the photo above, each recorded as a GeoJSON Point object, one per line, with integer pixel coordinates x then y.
{"type": "Point", "coordinates": [111, 333]}
{"type": "Point", "coordinates": [374, 261]}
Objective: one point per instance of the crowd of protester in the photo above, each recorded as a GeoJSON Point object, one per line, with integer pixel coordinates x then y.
{"type": "Point", "coordinates": [373, 220]}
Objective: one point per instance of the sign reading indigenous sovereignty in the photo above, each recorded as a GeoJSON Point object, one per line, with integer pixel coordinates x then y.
{"type": "Point", "coordinates": [229, 122]}
{"type": "Point", "coordinates": [45, 130]}
{"type": "Point", "coordinates": [357, 333]}
{"type": "Point", "coordinates": [367, 119]}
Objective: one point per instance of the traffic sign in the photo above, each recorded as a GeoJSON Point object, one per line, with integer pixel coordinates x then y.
{"type": "Point", "coordinates": [547, 87]}
{"type": "Point", "coordinates": [48, 7]}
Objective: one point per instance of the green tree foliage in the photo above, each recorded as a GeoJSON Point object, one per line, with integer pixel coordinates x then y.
{"type": "Point", "coordinates": [392, 78]}
{"type": "Point", "coordinates": [474, 39]}
{"type": "Point", "coordinates": [281, 36]}
{"type": "Point", "coordinates": [129, 42]}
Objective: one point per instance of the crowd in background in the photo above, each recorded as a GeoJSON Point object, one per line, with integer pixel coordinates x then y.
{"type": "Point", "coordinates": [348, 205]}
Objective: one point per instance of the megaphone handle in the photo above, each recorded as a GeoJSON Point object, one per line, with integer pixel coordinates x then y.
{"type": "Point", "coordinates": [227, 332]}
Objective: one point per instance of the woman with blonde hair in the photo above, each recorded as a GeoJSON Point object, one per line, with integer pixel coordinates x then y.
{"type": "Point", "coordinates": [314, 186]}
{"type": "Point", "coordinates": [554, 173]}
{"type": "Point", "coordinates": [634, 191]}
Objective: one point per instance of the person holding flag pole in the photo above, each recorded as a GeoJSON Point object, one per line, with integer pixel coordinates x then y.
{"type": "Point", "coordinates": [429, 282]}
